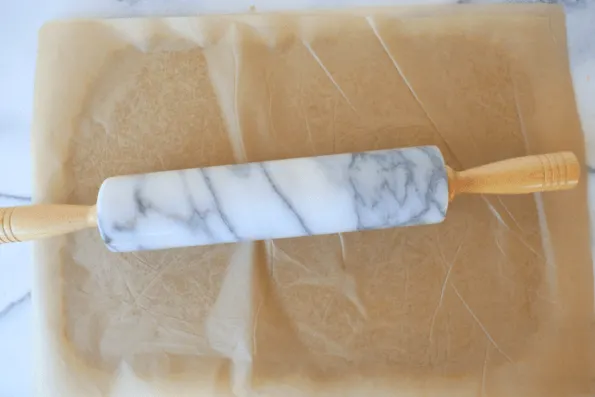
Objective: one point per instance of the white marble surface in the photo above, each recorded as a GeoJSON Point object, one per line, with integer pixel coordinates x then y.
{"type": "Point", "coordinates": [273, 199]}
{"type": "Point", "coordinates": [19, 22]}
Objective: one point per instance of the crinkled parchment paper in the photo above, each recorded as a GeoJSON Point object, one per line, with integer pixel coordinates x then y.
{"type": "Point", "coordinates": [495, 301]}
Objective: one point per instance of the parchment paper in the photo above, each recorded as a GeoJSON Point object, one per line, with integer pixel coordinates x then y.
{"type": "Point", "coordinates": [495, 301]}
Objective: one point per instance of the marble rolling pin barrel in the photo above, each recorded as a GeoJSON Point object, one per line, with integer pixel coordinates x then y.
{"type": "Point", "coordinates": [284, 198]}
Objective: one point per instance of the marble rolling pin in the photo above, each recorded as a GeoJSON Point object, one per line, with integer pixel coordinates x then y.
{"type": "Point", "coordinates": [285, 198]}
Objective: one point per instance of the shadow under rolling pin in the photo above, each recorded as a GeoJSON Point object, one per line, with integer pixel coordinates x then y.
{"type": "Point", "coordinates": [284, 198]}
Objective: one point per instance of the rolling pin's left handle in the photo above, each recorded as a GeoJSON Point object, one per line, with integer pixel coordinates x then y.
{"type": "Point", "coordinates": [40, 221]}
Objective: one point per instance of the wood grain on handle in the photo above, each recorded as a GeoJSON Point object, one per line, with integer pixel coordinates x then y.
{"type": "Point", "coordinates": [539, 173]}
{"type": "Point", "coordinates": [40, 221]}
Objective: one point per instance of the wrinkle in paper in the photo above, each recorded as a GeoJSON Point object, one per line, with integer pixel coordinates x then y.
{"type": "Point", "coordinates": [464, 308]}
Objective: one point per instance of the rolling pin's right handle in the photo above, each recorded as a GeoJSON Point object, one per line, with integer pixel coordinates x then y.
{"type": "Point", "coordinates": [40, 221]}
{"type": "Point", "coordinates": [539, 173]}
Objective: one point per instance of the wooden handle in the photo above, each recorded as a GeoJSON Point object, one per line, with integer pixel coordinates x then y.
{"type": "Point", "coordinates": [39, 221]}
{"type": "Point", "coordinates": [540, 173]}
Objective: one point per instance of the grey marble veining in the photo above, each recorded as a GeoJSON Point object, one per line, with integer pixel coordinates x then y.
{"type": "Point", "coordinates": [14, 304]}
{"type": "Point", "coordinates": [275, 199]}
{"type": "Point", "coordinates": [14, 197]}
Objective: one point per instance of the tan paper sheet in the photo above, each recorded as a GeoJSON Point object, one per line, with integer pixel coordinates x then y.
{"type": "Point", "coordinates": [495, 301]}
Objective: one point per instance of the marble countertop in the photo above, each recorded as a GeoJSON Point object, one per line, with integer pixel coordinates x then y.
{"type": "Point", "coordinates": [19, 22]}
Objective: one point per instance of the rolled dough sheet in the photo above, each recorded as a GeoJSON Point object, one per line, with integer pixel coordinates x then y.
{"type": "Point", "coordinates": [495, 301]}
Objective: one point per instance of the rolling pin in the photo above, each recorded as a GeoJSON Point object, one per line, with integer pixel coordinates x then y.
{"type": "Point", "coordinates": [284, 198]}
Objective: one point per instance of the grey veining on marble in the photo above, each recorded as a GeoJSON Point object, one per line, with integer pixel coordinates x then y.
{"type": "Point", "coordinates": [14, 304]}
{"type": "Point", "coordinates": [17, 198]}
{"type": "Point", "coordinates": [275, 199]}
